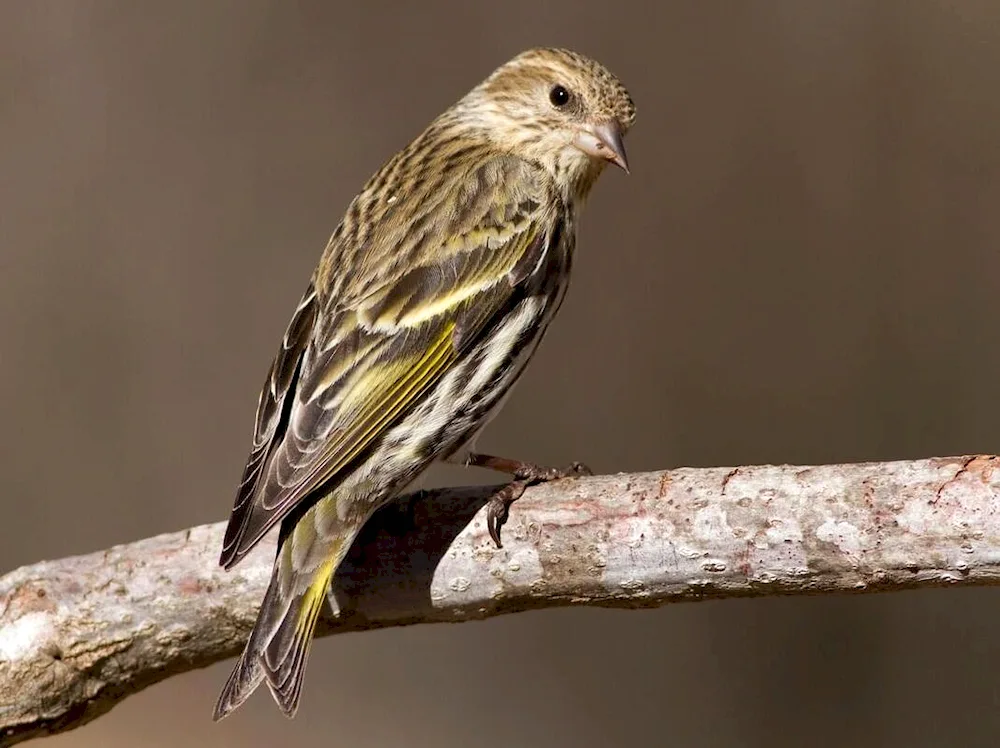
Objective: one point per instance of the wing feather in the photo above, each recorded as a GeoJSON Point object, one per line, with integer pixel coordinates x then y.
{"type": "Point", "coordinates": [369, 359]}
{"type": "Point", "coordinates": [272, 411]}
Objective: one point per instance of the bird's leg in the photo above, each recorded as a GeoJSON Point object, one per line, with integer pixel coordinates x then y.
{"type": "Point", "coordinates": [525, 470]}
{"type": "Point", "coordinates": [525, 474]}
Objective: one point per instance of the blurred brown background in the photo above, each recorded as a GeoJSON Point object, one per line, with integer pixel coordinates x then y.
{"type": "Point", "coordinates": [803, 267]}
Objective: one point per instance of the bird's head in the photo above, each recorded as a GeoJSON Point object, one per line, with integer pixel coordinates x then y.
{"type": "Point", "coordinates": [558, 108]}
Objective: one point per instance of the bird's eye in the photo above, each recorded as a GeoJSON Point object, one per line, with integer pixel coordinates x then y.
{"type": "Point", "coordinates": [559, 96]}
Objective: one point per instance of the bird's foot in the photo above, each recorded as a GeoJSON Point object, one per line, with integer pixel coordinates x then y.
{"type": "Point", "coordinates": [525, 474]}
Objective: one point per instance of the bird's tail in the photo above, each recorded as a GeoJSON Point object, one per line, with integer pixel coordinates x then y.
{"type": "Point", "coordinates": [278, 647]}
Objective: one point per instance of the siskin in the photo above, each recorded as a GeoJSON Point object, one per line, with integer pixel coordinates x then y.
{"type": "Point", "coordinates": [429, 300]}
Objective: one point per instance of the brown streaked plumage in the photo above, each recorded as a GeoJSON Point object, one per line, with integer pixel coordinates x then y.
{"type": "Point", "coordinates": [429, 300]}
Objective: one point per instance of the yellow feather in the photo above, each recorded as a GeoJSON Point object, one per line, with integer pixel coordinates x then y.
{"type": "Point", "coordinates": [406, 379]}
{"type": "Point", "coordinates": [312, 600]}
{"type": "Point", "coordinates": [443, 303]}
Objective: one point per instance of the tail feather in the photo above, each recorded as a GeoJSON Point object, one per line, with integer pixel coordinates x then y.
{"type": "Point", "coordinates": [249, 673]}
{"type": "Point", "coordinates": [243, 681]}
{"type": "Point", "coordinates": [285, 656]}
{"type": "Point", "coordinates": [278, 647]}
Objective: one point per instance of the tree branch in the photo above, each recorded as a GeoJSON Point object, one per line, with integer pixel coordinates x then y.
{"type": "Point", "coordinates": [79, 634]}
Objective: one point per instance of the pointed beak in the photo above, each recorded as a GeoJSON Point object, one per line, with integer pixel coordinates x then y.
{"type": "Point", "coordinates": [603, 140]}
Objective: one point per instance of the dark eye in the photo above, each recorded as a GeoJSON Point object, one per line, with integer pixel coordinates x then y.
{"type": "Point", "coordinates": [559, 96]}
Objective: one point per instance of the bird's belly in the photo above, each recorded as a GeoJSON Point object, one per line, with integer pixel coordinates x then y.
{"type": "Point", "coordinates": [453, 411]}
{"type": "Point", "coordinates": [458, 448]}
{"type": "Point", "coordinates": [469, 395]}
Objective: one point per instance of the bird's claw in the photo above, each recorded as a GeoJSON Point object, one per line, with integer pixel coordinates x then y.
{"type": "Point", "coordinates": [498, 507]}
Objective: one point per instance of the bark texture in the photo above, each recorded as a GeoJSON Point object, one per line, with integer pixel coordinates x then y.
{"type": "Point", "coordinates": [79, 634]}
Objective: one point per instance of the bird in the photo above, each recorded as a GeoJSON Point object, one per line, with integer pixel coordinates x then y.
{"type": "Point", "coordinates": [429, 300]}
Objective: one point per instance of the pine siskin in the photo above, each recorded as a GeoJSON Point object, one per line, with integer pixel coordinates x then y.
{"type": "Point", "coordinates": [429, 300]}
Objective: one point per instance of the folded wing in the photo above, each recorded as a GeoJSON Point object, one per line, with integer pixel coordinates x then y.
{"type": "Point", "coordinates": [347, 371]}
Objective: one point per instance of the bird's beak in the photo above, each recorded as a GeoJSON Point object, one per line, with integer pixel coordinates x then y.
{"type": "Point", "coordinates": [603, 140]}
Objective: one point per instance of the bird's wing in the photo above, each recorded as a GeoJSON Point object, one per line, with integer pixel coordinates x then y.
{"type": "Point", "coordinates": [341, 379]}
